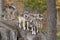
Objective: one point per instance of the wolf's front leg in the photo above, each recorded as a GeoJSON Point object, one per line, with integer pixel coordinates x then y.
{"type": "Point", "coordinates": [24, 28]}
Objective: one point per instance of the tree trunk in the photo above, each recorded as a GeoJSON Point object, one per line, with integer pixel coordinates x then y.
{"type": "Point", "coordinates": [51, 20]}
{"type": "Point", "coordinates": [0, 8]}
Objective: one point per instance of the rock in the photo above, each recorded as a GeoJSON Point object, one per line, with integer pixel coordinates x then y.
{"type": "Point", "coordinates": [6, 34]}
{"type": "Point", "coordinates": [21, 39]}
{"type": "Point", "coordinates": [13, 35]}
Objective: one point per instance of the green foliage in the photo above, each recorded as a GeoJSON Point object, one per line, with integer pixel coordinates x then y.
{"type": "Point", "coordinates": [58, 36]}
{"type": "Point", "coordinates": [39, 5]}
